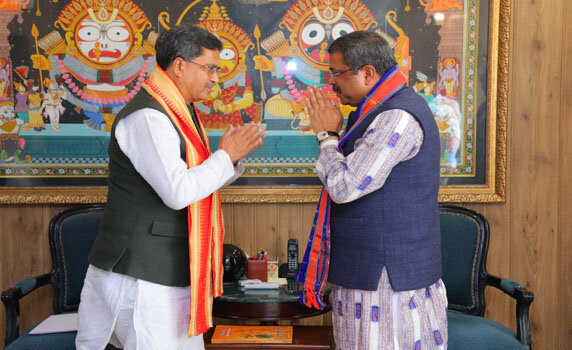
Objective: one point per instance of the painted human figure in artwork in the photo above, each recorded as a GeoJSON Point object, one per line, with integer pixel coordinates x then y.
{"type": "Point", "coordinates": [52, 107]}
{"type": "Point", "coordinates": [449, 77]}
{"type": "Point", "coordinates": [36, 121]}
{"type": "Point", "coordinates": [21, 104]}
{"type": "Point", "coordinates": [425, 88]}
{"type": "Point", "coordinates": [5, 83]}
{"type": "Point", "coordinates": [11, 144]}
{"type": "Point", "coordinates": [449, 121]}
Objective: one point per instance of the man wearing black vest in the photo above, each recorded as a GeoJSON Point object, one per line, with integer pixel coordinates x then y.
{"type": "Point", "coordinates": [156, 264]}
{"type": "Point", "coordinates": [376, 234]}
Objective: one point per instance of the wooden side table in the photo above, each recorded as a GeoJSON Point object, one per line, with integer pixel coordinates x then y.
{"type": "Point", "coordinates": [304, 338]}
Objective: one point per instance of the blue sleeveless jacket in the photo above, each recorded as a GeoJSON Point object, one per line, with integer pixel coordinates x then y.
{"type": "Point", "coordinates": [396, 226]}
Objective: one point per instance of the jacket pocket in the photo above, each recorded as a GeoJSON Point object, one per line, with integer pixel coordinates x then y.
{"type": "Point", "coordinates": [166, 228]}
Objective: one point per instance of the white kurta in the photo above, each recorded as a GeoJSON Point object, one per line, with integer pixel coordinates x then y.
{"type": "Point", "coordinates": [132, 313]}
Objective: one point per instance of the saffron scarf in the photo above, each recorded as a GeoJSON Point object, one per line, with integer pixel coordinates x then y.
{"type": "Point", "coordinates": [313, 271]}
{"type": "Point", "coordinates": [206, 230]}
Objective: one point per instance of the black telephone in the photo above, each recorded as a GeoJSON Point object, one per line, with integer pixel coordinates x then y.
{"type": "Point", "coordinates": [292, 258]}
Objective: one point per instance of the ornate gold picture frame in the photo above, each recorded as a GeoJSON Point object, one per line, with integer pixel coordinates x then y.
{"type": "Point", "coordinates": [474, 159]}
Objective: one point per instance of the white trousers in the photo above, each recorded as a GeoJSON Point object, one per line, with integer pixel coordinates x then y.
{"type": "Point", "coordinates": [133, 314]}
{"type": "Point", "coordinates": [390, 320]}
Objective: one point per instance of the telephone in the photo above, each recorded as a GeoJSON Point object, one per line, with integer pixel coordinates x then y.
{"type": "Point", "coordinates": [292, 258]}
{"type": "Point", "coordinates": [294, 287]}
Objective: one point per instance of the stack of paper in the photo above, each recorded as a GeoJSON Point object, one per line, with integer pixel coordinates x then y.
{"type": "Point", "coordinates": [256, 284]}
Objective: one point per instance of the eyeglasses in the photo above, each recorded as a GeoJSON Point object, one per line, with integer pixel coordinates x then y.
{"type": "Point", "coordinates": [211, 69]}
{"type": "Point", "coordinates": [355, 69]}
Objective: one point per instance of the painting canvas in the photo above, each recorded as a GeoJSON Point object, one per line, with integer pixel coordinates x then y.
{"type": "Point", "coordinates": [77, 63]}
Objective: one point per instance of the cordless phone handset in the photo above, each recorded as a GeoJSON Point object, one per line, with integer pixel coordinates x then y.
{"type": "Point", "coordinates": [292, 258]}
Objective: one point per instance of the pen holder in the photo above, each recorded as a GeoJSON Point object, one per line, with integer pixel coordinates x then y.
{"type": "Point", "coordinates": [257, 269]}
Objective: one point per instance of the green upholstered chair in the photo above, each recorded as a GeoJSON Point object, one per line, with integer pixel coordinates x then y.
{"type": "Point", "coordinates": [464, 245]}
{"type": "Point", "coordinates": [71, 235]}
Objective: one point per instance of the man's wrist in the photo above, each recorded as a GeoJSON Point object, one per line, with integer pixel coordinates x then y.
{"type": "Point", "coordinates": [329, 142]}
{"type": "Point", "coordinates": [324, 135]}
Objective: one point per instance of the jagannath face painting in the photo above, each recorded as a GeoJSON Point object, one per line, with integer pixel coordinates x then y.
{"type": "Point", "coordinates": [315, 36]}
{"type": "Point", "coordinates": [316, 24]}
{"type": "Point", "coordinates": [103, 43]}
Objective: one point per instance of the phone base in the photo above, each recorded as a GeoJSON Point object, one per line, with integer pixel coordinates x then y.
{"type": "Point", "coordinates": [284, 273]}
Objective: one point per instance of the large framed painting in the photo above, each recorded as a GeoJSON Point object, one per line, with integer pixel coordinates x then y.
{"type": "Point", "coordinates": [74, 64]}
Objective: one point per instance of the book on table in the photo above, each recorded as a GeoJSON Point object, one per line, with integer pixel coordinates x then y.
{"type": "Point", "coordinates": [252, 334]}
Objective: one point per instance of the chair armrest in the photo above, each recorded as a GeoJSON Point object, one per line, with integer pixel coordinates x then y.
{"type": "Point", "coordinates": [523, 298]}
{"type": "Point", "coordinates": [11, 299]}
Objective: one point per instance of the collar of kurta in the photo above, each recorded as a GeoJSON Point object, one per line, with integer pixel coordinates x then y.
{"type": "Point", "coordinates": [205, 225]}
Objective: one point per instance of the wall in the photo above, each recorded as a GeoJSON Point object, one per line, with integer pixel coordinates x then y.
{"type": "Point", "coordinates": [531, 233]}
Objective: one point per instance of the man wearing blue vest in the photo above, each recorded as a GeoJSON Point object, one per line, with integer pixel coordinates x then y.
{"type": "Point", "coordinates": [156, 263]}
{"type": "Point", "coordinates": [376, 235]}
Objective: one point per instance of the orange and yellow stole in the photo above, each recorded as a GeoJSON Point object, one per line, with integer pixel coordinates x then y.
{"type": "Point", "coordinates": [206, 230]}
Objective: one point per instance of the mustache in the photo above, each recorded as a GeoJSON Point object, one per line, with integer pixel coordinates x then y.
{"type": "Point", "coordinates": [336, 89]}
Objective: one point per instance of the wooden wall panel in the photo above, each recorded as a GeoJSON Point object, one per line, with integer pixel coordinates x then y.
{"type": "Point", "coordinates": [565, 187]}
{"type": "Point", "coordinates": [289, 226]}
{"type": "Point", "coordinates": [535, 159]}
{"type": "Point", "coordinates": [243, 227]}
{"type": "Point", "coordinates": [266, 228]}
{"type": "Point", "coordinates": [498, 262]}
{"type": "Point", "coordinates": [227, 219]}
{"type": "Point", "coordinates": [24, 252]}
{"type": "Point", "coordinates": [531, 233]}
